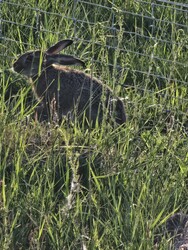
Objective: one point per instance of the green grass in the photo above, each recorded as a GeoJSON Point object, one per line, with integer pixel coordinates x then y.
{"type": "Point", "coordinates": [136, 176]}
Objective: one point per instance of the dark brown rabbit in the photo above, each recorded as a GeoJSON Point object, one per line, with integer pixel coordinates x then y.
{"type": "Point", "coordinates": [62, 90]}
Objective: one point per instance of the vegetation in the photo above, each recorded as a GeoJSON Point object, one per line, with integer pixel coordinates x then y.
{"type": "Point", "coordinates": [135, 176]}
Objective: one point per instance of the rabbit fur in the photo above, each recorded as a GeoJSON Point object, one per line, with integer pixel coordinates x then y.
{"type": "Point", "coordinates": [62, 90]}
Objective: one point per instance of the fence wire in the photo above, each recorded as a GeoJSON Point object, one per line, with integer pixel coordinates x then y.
{"type": "Point", "coordinates": [161, 23]}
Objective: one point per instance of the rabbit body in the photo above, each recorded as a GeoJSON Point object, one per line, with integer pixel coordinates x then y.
{"type": "Point", "coordinates": [63, 90]}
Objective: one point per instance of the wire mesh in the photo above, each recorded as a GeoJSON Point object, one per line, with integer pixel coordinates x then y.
{"type": "Point", "coordinates": [126, 29]}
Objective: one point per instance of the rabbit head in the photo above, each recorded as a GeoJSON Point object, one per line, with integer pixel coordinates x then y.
{"type": "Point", "coordinates": [33, 62]}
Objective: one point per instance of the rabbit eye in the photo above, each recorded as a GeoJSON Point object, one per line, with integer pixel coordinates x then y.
{"type": "Point", "coordinates": [29, 58]}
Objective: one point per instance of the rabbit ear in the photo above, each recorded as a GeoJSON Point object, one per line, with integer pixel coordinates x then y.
{"type": "Point", "coordinates": [56, 48]}
{"type": "Point", "coordinates": [64, 60]}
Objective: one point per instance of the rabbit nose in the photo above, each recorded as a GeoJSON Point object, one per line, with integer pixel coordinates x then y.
{"type": "Point", "coordinates": [17, 67]}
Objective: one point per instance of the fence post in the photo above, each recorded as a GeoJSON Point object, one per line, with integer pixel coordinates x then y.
{"type": "Point", "coordinates": [1, 35]}
{"type": "Point", "coordinates": [153, 18]}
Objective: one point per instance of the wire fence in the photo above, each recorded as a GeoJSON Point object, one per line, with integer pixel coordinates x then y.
{"type": "Point", "coordinates": [160, 23]}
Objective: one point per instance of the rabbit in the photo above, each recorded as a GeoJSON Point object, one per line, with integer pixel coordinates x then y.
{"type": "Point", "coordinates": [62, 90]}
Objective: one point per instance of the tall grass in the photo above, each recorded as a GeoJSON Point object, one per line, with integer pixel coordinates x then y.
{"type": "Point", "coordinates": [135, 176]}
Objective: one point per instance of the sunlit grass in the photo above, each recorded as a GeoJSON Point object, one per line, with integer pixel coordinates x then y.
{"type": "Point", "coordinates": [134, 176]}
